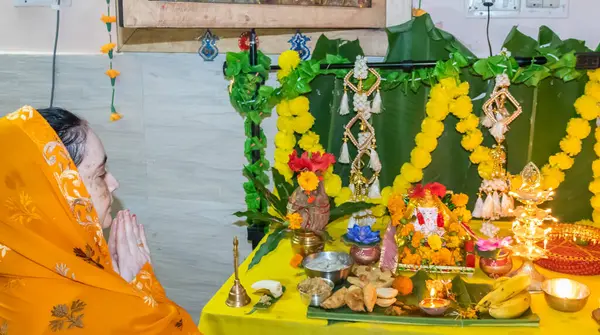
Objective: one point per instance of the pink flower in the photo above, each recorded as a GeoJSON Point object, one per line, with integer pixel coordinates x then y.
{"type": "Point", "coordinates": [493, 244]}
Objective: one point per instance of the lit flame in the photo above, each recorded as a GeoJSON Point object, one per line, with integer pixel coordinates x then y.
{"type": "Point", "coordinates": [432, 292]}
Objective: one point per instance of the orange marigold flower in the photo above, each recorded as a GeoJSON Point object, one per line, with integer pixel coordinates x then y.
{"type": "Point", "coordinates": [296, 260]}
{"type": "Point", "coordinates": [407, 229]}
{"type": "Point", "coordinates": [454, 227]}
{"type": "Point", "coordinates": [416, 12]}
{"type": "Point", "coordinates": [115, 116]}
{"type": "Point", "coordinates": [108, 19]}
{"type": "Point", "coordinates": [416, 239]}
{"type": "Point", "coordinates": [112, 73]}
{"type": "Point", "coordinates": [107, 47]}
{"type": "Point", "coordinates": [295, 220]}
{"type": "Point", "coordinates": [460, 199]}
{"type": "Point", "coordinates": [308, 180]}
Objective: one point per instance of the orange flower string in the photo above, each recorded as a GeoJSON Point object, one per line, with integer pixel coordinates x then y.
{"type": "Point", "coordinates": [112, 73]}
{"type": "Point", "coordinates": [108, 49]}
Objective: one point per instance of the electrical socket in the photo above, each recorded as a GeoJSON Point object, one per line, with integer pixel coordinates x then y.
{"type": "Point", "coordinates": [41, 3]}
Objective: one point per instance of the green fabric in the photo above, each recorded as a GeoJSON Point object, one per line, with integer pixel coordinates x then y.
{"type": "Point", "coordinates": [403, 111]}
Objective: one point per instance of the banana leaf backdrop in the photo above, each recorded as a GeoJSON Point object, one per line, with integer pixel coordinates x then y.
{"type": "Point", "coordinates": [533, 136]}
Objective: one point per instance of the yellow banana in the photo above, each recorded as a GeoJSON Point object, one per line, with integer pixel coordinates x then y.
{"type": "Point", "coordinates": [512, 308]}
{"type": "Point", "coordinates": [506, 290]}
{"type": "Point", "coordinates": [500, 281]}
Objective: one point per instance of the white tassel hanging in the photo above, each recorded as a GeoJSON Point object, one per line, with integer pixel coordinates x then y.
{"type": "Point", "coordinates": [352, 189]}
{"type": "Point", "coordinates": [511, 206]}
{"type": "Point", "coordinates": [345, 154]}
{"type": "Point", "coordinates": [497, 205]}
{"type": "Point", "coordinates": [374, 192]}
{"type": "Point", "coordinates": [376, 105]}
{"type": "Point", "coordinates": [344, 106]}
{"type": "Point", "coordinates": [375, 163]}
{"type": "Point", "coordinates": [505, 205]}
{"type": "Point", "coordinates": [478, 211]}
{"type": "Point", "coordinates": [488, 207]}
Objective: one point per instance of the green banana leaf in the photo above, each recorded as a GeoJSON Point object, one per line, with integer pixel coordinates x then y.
{"type": "Point", "coordinates": [533, 136]}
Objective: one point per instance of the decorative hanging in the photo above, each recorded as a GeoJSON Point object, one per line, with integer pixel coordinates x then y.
{"type": "Point", "coordinates": [244, 41]}
{"type": "Point", "coordinates": [109, 50]}
{"type": "Point", "coordinates": [208, 49]}
{"type": "Point", "coordinates": [498, 202]}
{"type": "Point", "coordinates": [361, 186]}
{"type": "Point", "coordinates": [298, 42]}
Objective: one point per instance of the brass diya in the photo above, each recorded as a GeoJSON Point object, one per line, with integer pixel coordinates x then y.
{"type": "Point", "coordinates": [238, 297]}
{"type": "Point", "coordinates": [565, 295]}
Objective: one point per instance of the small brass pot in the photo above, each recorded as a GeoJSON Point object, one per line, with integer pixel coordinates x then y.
{"type": "Point", "coordinates": [365, 255]}
{"type": "Point", "coordinates": [496, 267]}
{"type": "Point", "coordinates": [306, 242]}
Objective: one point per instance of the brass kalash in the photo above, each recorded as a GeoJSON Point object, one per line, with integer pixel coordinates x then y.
{"type": "Point", "coordinates": [527, 227]}
{"type": "Point", "coordinates": [238, 297]}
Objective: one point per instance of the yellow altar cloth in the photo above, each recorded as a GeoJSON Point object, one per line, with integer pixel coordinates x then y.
{"type": "Point", "coordinates": [288, 315]}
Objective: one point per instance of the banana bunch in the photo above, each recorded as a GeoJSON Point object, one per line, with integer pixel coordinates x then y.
{"type": "Point", "coordinates": [508, 300]}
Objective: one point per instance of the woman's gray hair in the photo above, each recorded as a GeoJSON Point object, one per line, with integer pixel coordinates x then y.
{"type": "Point", "coordinates": [71, 129]}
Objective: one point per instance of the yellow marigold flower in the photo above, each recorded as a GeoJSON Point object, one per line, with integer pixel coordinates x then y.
{"type": "Point", "coordinates": [463, 214]}
{"type": "Point", "coordinates": [453, 242]}
{"type": "Point", "coordinates": [480, 154]}
{"type": "Point", "coordinates": [299, 105]}
{"type": "Point", "coordinates": [592, 89]}
{"type": "Point", "coordinates": [288, 60]}
{"type": "Point", "coordinates": [378, 211]}
{"type": "Point", "coordinates": [308, 141]}
{"type": "Point", "coordinates": [343, 197]}
{"type": "Point", "coordinates": [596, 168]}
{"type": "Point", "coordinates": [449, 84]}
{"type": "Point", "coordinates": [439, 95]}
{"type": "Point", "coordinates": [597, 134]}
{"type": "Point", "coordinates": [457, 254]}
{"type": "Point", "coordinates": [445, 257]}
{"type": "Point", "coordinates": [308, 180]}
{"type": "Point", "coordinates": [112, 73]}
{"type": "Point", "coordinates": [285, 123]}
{"type": "Point", "coordinates": [303, 123]}
{"type": "Point", "coordinates": [587, 107]}
{"type": "Point", "coordinates": [107, 47]}
{"type": "Point", "coordinates": [282, 155]}
{"type": "Point", "coordinates": [386, 193]}
{"type": "Point", "coordinates": [461, 107]}
{"type": "Point", "coordinates": [467, 124]}
{"type": "Point", "coordinates": [595, 202]}
{"type": "Point", "coordinates": [594, 75]}
{"type": "Point", "coordinates": [401, 185]}
{"type": "Point", "coordinates": [420, 158]}
{"type": "Point", "coordinates": [283, 108]}
{"type": "Point", "coordinates": [578, 128]}
{"type": "Point", "coordinates": [552, 177]}
{"type": "Point", "coordinates": [282, 74]}
{"type": "Point", "coordinates": [472, 140]}
{"type": "Point", "coordinates": [596, 216]}
{"type": "Point", "coordinates": [108, 19]}
{"type": "Point", "coordinates": [285, 140]}
{"type": "Point", "coordinates": [437, 110]}
{"type": "Point", "coordinates": [115, 116]}
{"type": "Point", "coordinates": [411, 173]}
{"type": "Point", "coordinates": [594, 186]}
{"type": "Point", "coordinates": [435, 242]}
{"type": "Point", "coordinates": [295, 220]}
{"type": "Point", "coordinates": [561, 160]}
{"type": "Point", "coordinates": [462, 89]}
{"type": "Point", "coordinates": [570, 145]}
{"type": "Point", "coordinates": [485, 169]}
{"type": "Point", "coordinates": [425, 142]}
{"type": "Point", "coordinates": [460, 199]}
{"type": "Point", "coordinates": [329, 171]}
{"type": "Point", "coordinates": [333, 185]}
{"type": "Point", "coordinates": [284, 170]}
{"type": "Point", "coordinates": [597, 149]}
{"type": "Point", "coordinates": [431, 127]}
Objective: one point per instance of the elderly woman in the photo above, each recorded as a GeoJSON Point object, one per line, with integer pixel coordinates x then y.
{"type": "Point", "coordinates": [57, 272]}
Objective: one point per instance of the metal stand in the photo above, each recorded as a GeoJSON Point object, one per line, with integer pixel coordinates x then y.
{"type": "Point", "coordinates": [528, 269]}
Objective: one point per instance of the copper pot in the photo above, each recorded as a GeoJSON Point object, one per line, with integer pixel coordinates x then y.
{"type": "Point", "coordinates": [496, 267]}
{"type": "Point", "coordinates": [365, 255]}
{"type": "Point", "coordinates": [305, 242]}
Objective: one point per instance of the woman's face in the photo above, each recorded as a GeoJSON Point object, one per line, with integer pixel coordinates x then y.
{"type": "Point", "coordinates": [98, 181]}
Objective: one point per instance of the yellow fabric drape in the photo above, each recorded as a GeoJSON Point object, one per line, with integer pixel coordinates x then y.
{"type": "Point", "coordinates": [55, 268]}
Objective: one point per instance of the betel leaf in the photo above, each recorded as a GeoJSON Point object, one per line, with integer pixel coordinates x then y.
{"type": "Point", "coordinates": [263, 217]}
{"type": "Point", "coordinates": [348, 208]}
{"type": "Point", "coordinates": [265, 306]}
{"type": "Point", "coordinates": [468, 294]}
{"type": "Point", "coordinates": [270, 244]}
{"type": "Point", "coordinates": [284, 189]}
{"type": "Point", "coordinates": [279, 206]}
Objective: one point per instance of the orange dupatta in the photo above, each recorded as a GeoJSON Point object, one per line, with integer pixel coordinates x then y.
{"type": "Point", "coordinates": [55, 269]}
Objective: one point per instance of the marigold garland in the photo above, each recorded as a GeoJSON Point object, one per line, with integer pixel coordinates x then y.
{"type": "Point", "coordinates": [109, 50]}
{"type": "Point", "coordinates": [592, 93]}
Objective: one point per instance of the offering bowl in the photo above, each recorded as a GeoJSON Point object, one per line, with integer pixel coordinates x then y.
{"type": "Point", "coordinates": [315, 299]}
{"type": "Point", "coordinates": [434, 306]}
{"type": "Point", "coordinates": [565, 295]}
{"type": "Point", "coordinates": [330, 265]}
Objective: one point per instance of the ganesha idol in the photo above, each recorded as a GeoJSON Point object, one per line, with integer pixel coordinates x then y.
{"type": "Point", "coordinates": [429, 230]}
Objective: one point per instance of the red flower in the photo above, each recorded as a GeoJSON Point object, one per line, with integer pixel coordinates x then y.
{"type": "Point", "coordinates": [302, 163]}
{"type": "Point", "coordinates": [436, 189]}
{"type": "Point", "coordinates": [418, 191]}
{"type": "Point", "coordinates": [321, 162]}
{"type": "Point", "coordinates": [440, 220]}
{"type": "Point", "coordinates": [420, 218]}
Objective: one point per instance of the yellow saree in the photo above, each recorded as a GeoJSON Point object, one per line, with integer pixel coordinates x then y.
{"type": "Point", "coordinates": [55, 268]}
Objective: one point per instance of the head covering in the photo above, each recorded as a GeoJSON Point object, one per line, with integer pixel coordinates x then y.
{"type": "Point", "coordinates": [55, 268]}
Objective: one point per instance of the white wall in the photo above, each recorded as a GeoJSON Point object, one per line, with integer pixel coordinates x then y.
{"type": "Point", "coordinates": [31, 29]}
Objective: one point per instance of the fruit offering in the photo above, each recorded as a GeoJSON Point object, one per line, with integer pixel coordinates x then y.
{"type": "Point", "coordinates": [508, 300]}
